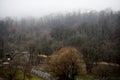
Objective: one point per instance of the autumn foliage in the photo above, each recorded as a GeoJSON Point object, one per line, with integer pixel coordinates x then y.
{"type": "Point", "coordinates": [66, 64]}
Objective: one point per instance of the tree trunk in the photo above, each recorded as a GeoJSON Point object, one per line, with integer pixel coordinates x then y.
{"type": "Point", "coordinates": [24, 75]}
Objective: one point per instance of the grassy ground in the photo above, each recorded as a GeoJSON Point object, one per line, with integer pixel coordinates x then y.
{"type": "Point", "coordinates": [31, 76]}
{"type": "Point", "coordinates": [28, 76]}
{"type": "Point", "coordinates": [19, 76]}
{"type": "Point", "coordinates": [91, 77]}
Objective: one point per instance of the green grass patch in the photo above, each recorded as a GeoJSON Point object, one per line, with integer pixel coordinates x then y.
{"type": "Point", "coordinates": [29, 76]}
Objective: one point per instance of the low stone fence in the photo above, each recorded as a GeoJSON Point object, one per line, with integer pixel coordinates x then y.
{"type": "Point", "coordinates": [41, 74]}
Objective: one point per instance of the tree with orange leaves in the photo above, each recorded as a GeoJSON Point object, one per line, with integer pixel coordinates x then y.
{"type": "Point", "coordinates": [66, 64]}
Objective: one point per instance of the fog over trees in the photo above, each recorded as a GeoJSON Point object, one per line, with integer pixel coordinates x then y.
{"type": "Point", "coordinates": [95, 34]}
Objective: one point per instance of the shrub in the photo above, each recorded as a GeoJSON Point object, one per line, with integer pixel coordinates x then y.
{"type": "Point", "coordinates": [66, 64]}
{"type": "Point", "coordinates": [106, 70]}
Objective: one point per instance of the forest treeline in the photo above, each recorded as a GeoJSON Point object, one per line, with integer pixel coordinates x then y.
{"type": "Point", "coordinates": [95, 34]}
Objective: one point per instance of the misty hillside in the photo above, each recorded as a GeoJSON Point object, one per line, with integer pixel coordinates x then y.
{"type": "Point", "coordinates": [59, 39]}
{"type": "Point", "coordinates": [92, 33]}
{"type": "Point", "coordinates": [71, 46]}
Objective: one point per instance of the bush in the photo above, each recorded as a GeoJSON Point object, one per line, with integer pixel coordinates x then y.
{"type": "Point", "coordinates": [10, 72]}
{"type": "Point", "coordinates": [106, 70]}
{"type": "Point", "coordinates": [66, 64]}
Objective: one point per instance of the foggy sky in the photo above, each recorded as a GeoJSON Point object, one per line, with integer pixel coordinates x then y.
{"type": "Point", "coordinates": [38, 8]}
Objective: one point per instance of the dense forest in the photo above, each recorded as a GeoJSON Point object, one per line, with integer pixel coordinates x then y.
{"type": "Point", "coordinates": [65, 46]}
{"type": "Point", "coordinates": [95, 34]}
